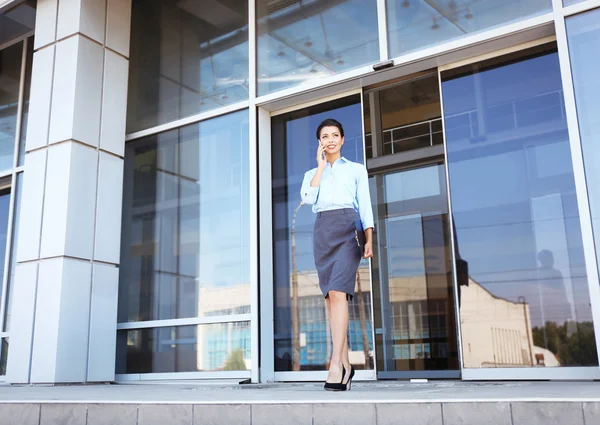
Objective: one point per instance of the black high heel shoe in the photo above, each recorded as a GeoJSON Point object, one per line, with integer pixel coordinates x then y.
{"type": "Point", "coordinates": [349, 383]}
{"type": "Point", "coordinates": [336, 387]}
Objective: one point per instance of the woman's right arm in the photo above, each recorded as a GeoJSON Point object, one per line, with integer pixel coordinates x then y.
{"type": "Point", "coordinates": [312, 179]}
{"type": "Point", "coordinates": [310, 186]}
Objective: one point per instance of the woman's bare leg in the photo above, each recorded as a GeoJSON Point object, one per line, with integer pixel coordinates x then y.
{"type": "Point", "coordinates": [345, 357]}
{"type": "Point", "coordinates": [338, 318]}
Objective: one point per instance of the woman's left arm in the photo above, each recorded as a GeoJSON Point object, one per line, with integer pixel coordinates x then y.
{"type": "Point", "coordinates": [365, 209]}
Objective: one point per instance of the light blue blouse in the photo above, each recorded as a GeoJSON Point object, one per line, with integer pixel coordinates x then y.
{"type": "Point", "coordinates": [345, 185]}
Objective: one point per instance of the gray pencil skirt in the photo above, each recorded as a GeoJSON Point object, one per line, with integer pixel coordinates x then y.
{"type": "Point", "coordinates": [338, 243]}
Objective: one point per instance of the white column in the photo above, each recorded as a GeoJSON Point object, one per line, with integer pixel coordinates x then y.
{"type": "Point", "coordinates": [65, 299]}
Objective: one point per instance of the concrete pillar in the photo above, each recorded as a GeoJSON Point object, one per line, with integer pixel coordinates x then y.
{"type": "Point", "coordinates": [65, 299]}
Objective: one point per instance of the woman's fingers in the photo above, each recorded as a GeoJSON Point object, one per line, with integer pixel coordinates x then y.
{"type": "Point", "coordinates": [368, 251]}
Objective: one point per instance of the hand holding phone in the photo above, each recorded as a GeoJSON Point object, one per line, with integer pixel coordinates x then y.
{"type": "Point", "coordinates": [321, 157]}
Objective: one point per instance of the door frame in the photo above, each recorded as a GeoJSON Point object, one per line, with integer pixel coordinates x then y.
{"type": "Point", "coordinates": [267, 329]}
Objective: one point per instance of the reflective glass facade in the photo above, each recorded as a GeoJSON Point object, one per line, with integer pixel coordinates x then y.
{"type": "Point", "coordinates": [490, 222]}
{"type": "Point", "coordinates": [417, 24]}
{"type": "Point", "coordinates": [481, 190]}
{"type": "Point", "coordinates": [186, 232]}
{"type": "Point", "coordinates": [583, 33]}
{"type": "Point", "coordinates": [300, 41]}
{"type": "Point", "coordinates": [518, 231]}
{"type": "Point", "coordinates": [186, 58]}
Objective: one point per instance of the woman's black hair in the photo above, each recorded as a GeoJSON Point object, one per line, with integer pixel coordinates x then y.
{"type": "Point", "coordinates": [329, 122]}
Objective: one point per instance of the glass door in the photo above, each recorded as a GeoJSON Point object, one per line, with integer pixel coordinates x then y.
{"type": "Point", "coordinates": [525, 312]}
{"type": "Point", "coordinates": [412, 270]}
{"type": "Point", "coordinates": [302, 341]}
{"type": "Point", "coordinates": [414, 312]}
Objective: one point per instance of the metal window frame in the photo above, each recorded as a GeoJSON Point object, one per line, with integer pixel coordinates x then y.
{"type": "Point", "coordinates": [16, 40]}
{"type": "Point", "coordinates": [576, 8]}
{"type": "Point", "coordinates": [585, 216]}
{"type": "Point", "coordinates": [453, 252]}
{"type": "Point", "coordinates": [164, 323]}
{"type": "Point", "coordinates": [171, 376]}
{"type": "Point", "coordinates": [12, 173]}
{"type": "Point", "coordinates": [265, 223]}
{"type": "Point", "coordinates": [253, 200]}
{"type": "Point", "coordinates": [375, 371]}
{"type": "Point", "coordinates": [383, 30]}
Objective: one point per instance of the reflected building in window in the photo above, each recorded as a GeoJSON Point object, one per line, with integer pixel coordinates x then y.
{"type": "Point", "coordinates": [151, 158]}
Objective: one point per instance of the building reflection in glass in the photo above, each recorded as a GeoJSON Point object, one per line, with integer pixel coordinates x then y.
{"type": "Point", "coordinates": [298, 41]}
{"type": "Point", "coordinates": [187, 57]}
{"type": "Point", "coordinates": [186, 249]}
{"type": "Point", "coordinates": [526, 300]}
{"type": "Point", "coordinates": [416, 24]}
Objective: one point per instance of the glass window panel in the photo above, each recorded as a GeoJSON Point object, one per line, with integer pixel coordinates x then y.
{"type": "Point", "coordinates": [3, 356]}
{"type": "Point", "coordinates": [186, 228]}
{"type": "Point", "coordinates": [526, 300]}
{"type": "Point", "coordinates": [10, 75]}
{"type": "Point", "coordinates": [187, 57]}
{"type": "Point", "coordinates": [13, 251]}
{"type": "Point", "coordinates": [26, 96]}
{"type": "Point", "coordinates": [298, 41]}
{"type": "Point", "coordinates": [297, 297]}
{"type": "Point", "coordinates": [410, 116]}
{"type": "Point", "coordinates": [416, 24]}
{"type": "Point", "coordinates": [570, 2]}
{"type": "Point", "coordinates": [198, 348]}
{"type": "Point", "coordinates": [4, 212]}
{"type": "Point", "coordinates": [17, 21]}
{"type": "Point", "coordinates": [583, 34]}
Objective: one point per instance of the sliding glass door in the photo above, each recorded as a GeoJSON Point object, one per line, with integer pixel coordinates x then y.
{"type": "Point", "coordinates": [526, 303]}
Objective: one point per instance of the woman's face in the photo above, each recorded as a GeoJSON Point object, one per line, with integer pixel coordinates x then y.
{"type": "Point", "coordinates": [331, 139]}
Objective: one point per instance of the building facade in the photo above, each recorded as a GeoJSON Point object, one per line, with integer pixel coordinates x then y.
{"type": "Point", "coordinates": [151, 157]}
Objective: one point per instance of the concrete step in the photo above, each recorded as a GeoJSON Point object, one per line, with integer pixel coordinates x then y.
{"type": "Point", "coordinates": [434, 403]}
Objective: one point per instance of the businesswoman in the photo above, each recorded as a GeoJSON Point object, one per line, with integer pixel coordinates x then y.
{"type": "Point", "coordinates": [338, 190]}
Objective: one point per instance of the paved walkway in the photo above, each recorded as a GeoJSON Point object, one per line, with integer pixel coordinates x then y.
{"type": "Point", "coordinates": [303, 393]}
